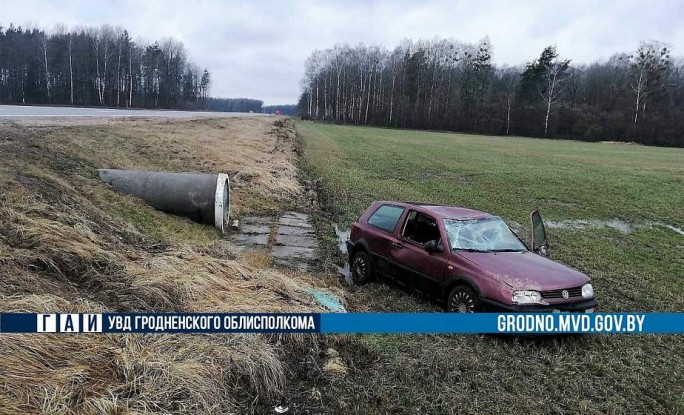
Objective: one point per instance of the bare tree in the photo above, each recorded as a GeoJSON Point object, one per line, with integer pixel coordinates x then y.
{"type": "Point", "coordinates": [108, 39]}
{"type": "Point", "coordinates": [130, 73]}
{"type": "Point", "coordinates": [575, 82]}
{"type": "Point", "coordinates": [510, 78]}
{"type": "Point", "coordinates": [649, 67]}
{"type": "Point", "coordinates": [119, 32]}
{"type": "Point", "coordinates": [43, 41]}
{"type": "Point", "coordinates": [96, 40]}
{"type": "Point", "coordinates": [70, 48]}
{"type": "Point", "coordinates": [548, 73]}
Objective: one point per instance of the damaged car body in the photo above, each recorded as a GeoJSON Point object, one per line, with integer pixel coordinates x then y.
{"type": "Point", "coordinates": [468, 259]}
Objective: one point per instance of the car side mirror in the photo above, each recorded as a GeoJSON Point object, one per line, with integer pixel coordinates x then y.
{"type": "Point", "coordinates": [432, 246]}
{"type": "Point", "coordinates": [539, 242]}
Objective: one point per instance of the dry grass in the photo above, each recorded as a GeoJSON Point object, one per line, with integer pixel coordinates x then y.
{"type": "Point", "coordinates": [257, 155]}
{"type": "Point", "coordinates": [136, 373]}
{"type": "Point", "coordinates": [67, 243]}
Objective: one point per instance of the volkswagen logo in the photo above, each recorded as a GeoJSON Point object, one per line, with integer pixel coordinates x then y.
{"type": "Point", "coordinates": [565, 294]}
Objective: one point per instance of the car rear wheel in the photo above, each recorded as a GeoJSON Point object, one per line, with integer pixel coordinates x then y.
{"type": "Point", "coordinates": [361, 268]}
{"type": "Point", "coordinates": [462, 299]}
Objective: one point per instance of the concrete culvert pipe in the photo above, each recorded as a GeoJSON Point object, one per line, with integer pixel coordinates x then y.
{"type": "Point", "coordinates": [202, 197]}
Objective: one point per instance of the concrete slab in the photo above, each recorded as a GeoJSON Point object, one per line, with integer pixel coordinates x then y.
{"type": "Point", "coordinates": [296, 215]}
{"type": "Point", "coordinates": [294, 230]}
{"type": "Point", "coordinates": [294, 222]}
{"type": "Point", "coordinates": [255, 229]}
{"type": "Point", "coordinates": [296, 240]}
{"type": "Point", "coordinates": [284, 251]}
{"type": "Point", "coordinates": [251, 239]}
{"type": "Point", "coordinates": [295, 244]}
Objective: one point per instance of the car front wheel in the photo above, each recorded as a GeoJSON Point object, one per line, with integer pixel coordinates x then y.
{"type": "Point", "coordinates": [361, 268]}
{"type": "Point", "coordinates": [462, 299]}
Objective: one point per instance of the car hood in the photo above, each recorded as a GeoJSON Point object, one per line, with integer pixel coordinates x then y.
{"type": "Point", "coordinates": [526, 270]}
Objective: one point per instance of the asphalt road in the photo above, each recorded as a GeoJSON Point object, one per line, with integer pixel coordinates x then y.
{"type": "Point", "coordinates": [16, 111]}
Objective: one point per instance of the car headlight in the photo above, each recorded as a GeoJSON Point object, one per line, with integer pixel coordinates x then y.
{"type": "Point", "coordinates": [527, 297]}
{"type": "Point", "coordinates": [587, 291]}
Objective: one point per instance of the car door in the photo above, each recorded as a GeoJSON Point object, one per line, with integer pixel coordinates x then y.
{"type": "Point", "coordinates": [420, 269]}
{"type": "Point", "coordinates": [539, 243]}
{"type": "Point", "coordinates": [380, 235]}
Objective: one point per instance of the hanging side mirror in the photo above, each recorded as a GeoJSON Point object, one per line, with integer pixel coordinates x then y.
{"type": "Point", "coordinates": [538, 243]}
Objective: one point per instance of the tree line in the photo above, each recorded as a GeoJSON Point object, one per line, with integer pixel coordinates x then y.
{"type": "Point", "coordinates": [443, 84]}
{"type": "Point", "coordinates": [234, 104]}
{"type": "Point", "coordinates": [99, 66]}
{"type": "Point", "coordinates": [249, 105]}
{"type": "Point", "coordinates": [291, 110]}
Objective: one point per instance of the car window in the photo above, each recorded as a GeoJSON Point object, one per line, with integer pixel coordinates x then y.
{"type": "Point", "coordinates": [386, 217]}
{"type": "Point", "coordinates": [420, 228]}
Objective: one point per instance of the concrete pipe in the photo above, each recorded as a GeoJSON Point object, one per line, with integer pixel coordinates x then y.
{"type": "Point", "coordinates": [202, 197]}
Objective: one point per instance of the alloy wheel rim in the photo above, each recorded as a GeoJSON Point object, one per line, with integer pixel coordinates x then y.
{"type": "Point", "coordinates": [360, 268]}
{"type": "Point", "coordinates": [462, 302]}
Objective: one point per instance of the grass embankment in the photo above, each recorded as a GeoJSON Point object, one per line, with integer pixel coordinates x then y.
{"type": "Point", "coordinates": [69, 243]}
{"type": "Point", "coordinates": [509, 176]}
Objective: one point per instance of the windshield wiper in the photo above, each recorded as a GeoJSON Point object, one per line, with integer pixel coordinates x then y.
{"type": "Point", "coordinates": [508, 250]}
{"type": "Point", "coordinates": [472, 250]}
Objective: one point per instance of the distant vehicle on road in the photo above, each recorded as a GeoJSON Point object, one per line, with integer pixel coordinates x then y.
{"type": "Point", "coordinates": [469, 259]}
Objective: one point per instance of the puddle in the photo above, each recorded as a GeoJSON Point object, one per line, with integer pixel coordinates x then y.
{"type": "Point", "coordinates": [327, 300]}
{"type": "Point", "coordinates": [617, 224]}
{"type": "Point", "coordinates": [674, 228]}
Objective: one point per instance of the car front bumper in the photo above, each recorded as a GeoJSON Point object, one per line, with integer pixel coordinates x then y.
{"type": "Point", "coordinates": [576, 307]}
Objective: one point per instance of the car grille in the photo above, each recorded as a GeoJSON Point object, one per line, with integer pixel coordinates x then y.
{"type": "Point", "coordinates": [572, 292]}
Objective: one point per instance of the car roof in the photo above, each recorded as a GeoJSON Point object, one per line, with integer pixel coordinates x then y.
{"type": "Point", "coordinates": [443, 211]}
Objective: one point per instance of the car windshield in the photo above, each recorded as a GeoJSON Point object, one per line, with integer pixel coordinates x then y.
{"type": "Point", "coordinates": [484, 235]}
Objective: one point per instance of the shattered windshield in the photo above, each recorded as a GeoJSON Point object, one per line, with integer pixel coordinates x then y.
{"type": "Point", "coordinates": [486, 235]}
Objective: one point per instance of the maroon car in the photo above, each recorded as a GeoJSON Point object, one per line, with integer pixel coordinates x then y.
{"type": "Point", "coordinates": [467, 258]}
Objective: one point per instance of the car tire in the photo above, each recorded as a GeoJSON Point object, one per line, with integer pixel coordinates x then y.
{"type": "Point", "coordinates": [462, 299]}
{"type": "Point", "coordinates": [361, 268]}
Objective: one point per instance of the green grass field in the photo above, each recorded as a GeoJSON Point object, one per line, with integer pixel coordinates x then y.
{"type": "Point", "coordinates": [641, 270]}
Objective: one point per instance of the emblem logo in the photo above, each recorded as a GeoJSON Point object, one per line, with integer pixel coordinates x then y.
{"type": "Point", "coordinates": [565, 294]}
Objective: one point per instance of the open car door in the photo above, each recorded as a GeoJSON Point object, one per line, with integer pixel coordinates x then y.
{"type": "Point", "coordinates": [538, 243]}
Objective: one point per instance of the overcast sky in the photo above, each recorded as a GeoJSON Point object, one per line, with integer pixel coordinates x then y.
{"type": "Point", "coordinates": [256, 49]}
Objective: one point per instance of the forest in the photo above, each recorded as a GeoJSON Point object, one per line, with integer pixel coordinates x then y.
{"type": "Point", "coordinates": [101, 66]}
{"type": "Point", "coordinates": [447, 85]}
{"type": "Point", "coordinates": [234, 104]}
{"type": "Point", "coordinates": [291, 110]}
